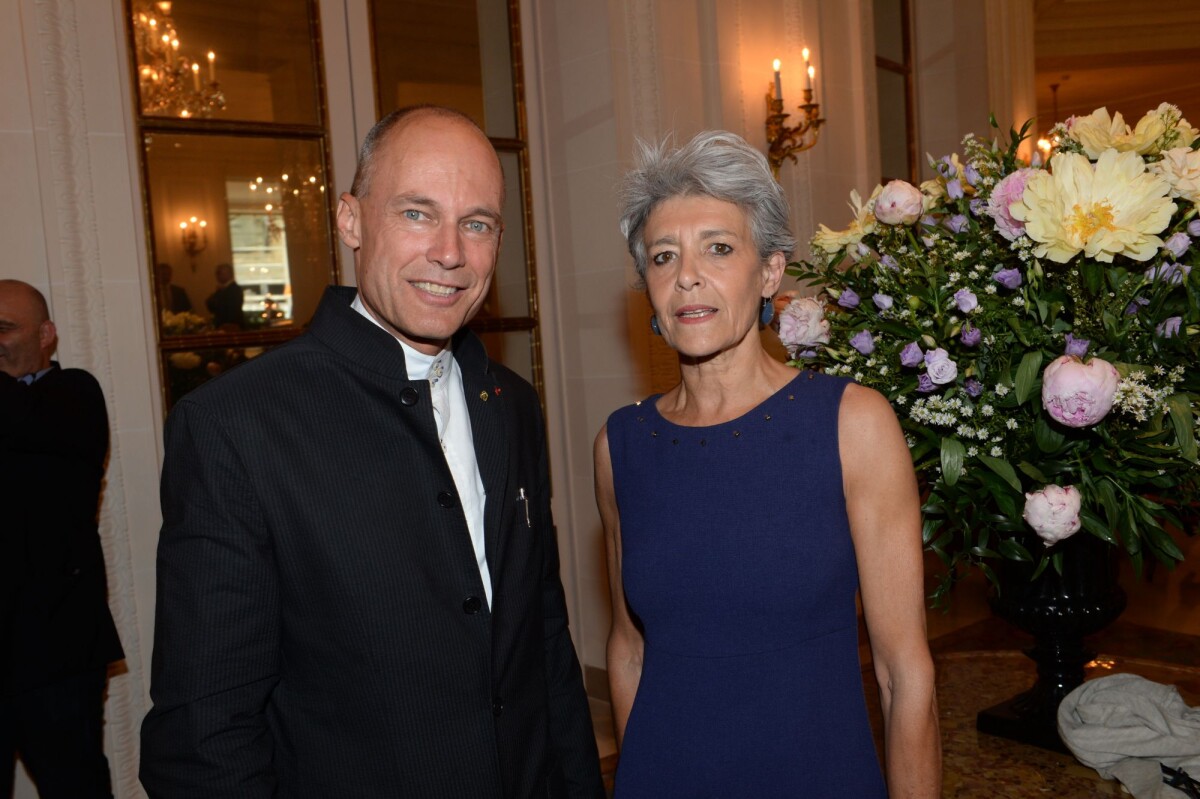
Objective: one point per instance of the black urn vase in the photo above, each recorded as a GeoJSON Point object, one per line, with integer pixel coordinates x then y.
{"type": "Point", "coordinates": [1058, 610]}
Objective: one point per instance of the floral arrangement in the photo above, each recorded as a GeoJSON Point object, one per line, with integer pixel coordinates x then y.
{"type": "Point", "coordinates": [183, 323]}
{"type": "Point", "coordinates": [1036, 327]}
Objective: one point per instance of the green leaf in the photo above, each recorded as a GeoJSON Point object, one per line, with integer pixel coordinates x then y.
{"type": "Point", "coordinates": [1180, 407]}
{"type": "Point", "coordinates": [1033, 471]}
{"type": "Point", "coordinates": [1048, 439]}
{"type": "Point", "coordinates": [1027, 375]}
{"type": "Point", "coordinates": [1162, 541]}
{"type": "Point", "coordinates": [953, 453]}
{"type": "Point", "coordinates": [1098, 527]}
{"type": "Point", "coordinates": [1002, 468]}
{"type": "Point", "coordinates": [1108, 501]}
{"type": "Point", "coordinates": [1093, 276]}
{"type": "Point", "coordinates": [1012, 549]}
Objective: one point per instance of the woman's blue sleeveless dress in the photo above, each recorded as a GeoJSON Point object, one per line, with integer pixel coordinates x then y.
{"type": "Point", "coordinates": [737, 558]}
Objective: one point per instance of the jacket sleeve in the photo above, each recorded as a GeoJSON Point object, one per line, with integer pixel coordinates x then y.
{"type": "Point", "coordinates": [572, 739]}
{"type": "Point", "coordinates": [217, 625]}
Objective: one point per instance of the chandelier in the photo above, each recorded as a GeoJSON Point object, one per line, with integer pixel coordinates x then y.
{"type": "Point", "coordinates": [170, 84]}
{"type": "Point", "coordinates": [299, 197]}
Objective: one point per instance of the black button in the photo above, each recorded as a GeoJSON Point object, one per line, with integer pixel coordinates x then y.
{"type": "Point", "coordinates": [446, 499]}
{"type": "Point", "coordinates": [409, 396]}
{"type": "Point", "coordinates": [471, 605]}
{"type": "Point", "coordinates": [497, 706]}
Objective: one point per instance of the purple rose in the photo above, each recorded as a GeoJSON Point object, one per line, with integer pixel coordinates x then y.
{"type": "Point", "coordinates": [957, 223]}
{"type": "Point", "coordinates": [954, 189]}
{"type": "Point", "coordinates": [882, 301]}
{"type": "Point", "coordinates": [911, 355]}
{"type": "Point", "coordinates": [1138, 304]}
{"type": "Point", "coordinates": [1076, 346]}
{"type": "Point", "coordinates": [1169, 327]}
{"type": "Point", "coordinates": [890, 263]}
{"type": "Point", "coordinates": [966, 300]}
{"type": "Point", "coordinates": [863, 250]}
{"type": "Point", "coordinates": [925, 384]}
{"type": "Point", "coordinates": [945, 167]}
{"type": "Point", "coordinates": [1009, 278]}
{"type": "Point", "coordinates": [1008, 191]}
{"type": "Point", "coordinates": [1193, 228]}
{"type": "Point", "coordinates": [970, 336]}
{"type": "Point", "coordinates": [863, 342]}
{"type": "Point", "coordinates": [848, 299]}
{"type": "Point", "coordinates": [939, 367]}
{"type": "Point", "coordinates": [1178, 244]}
{"type": "Point", "coordinates": [973, 387]}
{"type": "Point", "coordinates": [928, 221]}
{"type": "Point", "coordinates": [971, 174]}
{"type": "Point", "coordinates": [977, 206]}
{"type": "Point", "coordinates": [1172, 273]}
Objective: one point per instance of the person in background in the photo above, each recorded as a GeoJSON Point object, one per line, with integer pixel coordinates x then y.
{"type": "Point", "coordinates": [743, 509]}
{"type": "Point", "coordinates": [55, 625]}
{"type": "Point", "coordinates": [358, 576]}
{"type": "Point", "coordinates": [171, 297]}
{"type": "Point", "coordinates": [225, 304]}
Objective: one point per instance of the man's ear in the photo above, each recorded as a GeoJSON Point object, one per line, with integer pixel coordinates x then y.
{"type": "Point", "coordinates": [47, 337]}
{"type": "Point", "coordinates": [349, 221]}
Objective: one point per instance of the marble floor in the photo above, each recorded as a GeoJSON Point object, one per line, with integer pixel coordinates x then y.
{"type": "Point", "coordinates": [1158, 635]}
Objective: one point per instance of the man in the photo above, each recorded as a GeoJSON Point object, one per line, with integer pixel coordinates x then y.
{"type": "Point", "coordinates": [55, 626]}
{"type": "Point", "coordinates": [225, 304]}
{"type": "Point", "coordinates": [358, 589]}
{"type": "Point", "coordinates": [171, 297]}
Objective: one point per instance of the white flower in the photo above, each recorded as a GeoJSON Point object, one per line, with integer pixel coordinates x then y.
{"type": "Point", "coordinates": [1112, 208]}
{"type": "Point", "coordinates": [1180, 168]}
{"type": "Point", "coordinates": [1053, 512]}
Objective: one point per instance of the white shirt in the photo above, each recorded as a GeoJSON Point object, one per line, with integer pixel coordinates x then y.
{"type": "Point", "coordinates": [457, 444]}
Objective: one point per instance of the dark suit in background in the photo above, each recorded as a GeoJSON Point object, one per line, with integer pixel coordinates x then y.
{"type": "Point", "coordinates": [58, 633]}
{"type": "Point", "coordinates": [225, 305]}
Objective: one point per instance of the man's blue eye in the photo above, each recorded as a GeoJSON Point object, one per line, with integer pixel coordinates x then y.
{"type": "Point", "coordinates": [412, 214]}
{"type": "Point", "coordinates": [475, 226]}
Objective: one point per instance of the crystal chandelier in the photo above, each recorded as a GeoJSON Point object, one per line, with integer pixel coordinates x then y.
{"type": "Point", "coordinates": [171, 84]}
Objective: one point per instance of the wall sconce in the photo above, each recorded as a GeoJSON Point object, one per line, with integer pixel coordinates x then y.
{"type": "Point", "coordinates": [194, 234]}
{"type": "Point", "coordinates": [784, 141]}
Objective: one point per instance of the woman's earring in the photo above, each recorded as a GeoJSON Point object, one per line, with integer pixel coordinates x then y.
{"type": "Point", "coordinates": [767, 312]}
{"type": "Point", "coordinates": [654, 325]}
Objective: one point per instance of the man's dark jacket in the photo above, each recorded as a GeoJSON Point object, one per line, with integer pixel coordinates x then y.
{"type": "Point", "coordinates": [321, 627]}
{"type": "Point", "coordinates": [54, 620]}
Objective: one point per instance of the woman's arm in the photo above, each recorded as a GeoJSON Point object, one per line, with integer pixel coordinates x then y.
{"type": "Point", "coordinates": [885, 522]}
{"type": "Point", "coordinates": [624, 639]}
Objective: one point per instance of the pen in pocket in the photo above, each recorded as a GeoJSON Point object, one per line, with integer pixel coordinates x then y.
{"type": "Point", "coordinates": [524, 500]}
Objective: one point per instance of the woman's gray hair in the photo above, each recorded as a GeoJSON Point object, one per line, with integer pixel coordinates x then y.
{"type": "Point", "coordinates": [715, 164]}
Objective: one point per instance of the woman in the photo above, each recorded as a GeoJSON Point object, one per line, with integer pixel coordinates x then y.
{"type": "Point", "coordinates": [742, 510]}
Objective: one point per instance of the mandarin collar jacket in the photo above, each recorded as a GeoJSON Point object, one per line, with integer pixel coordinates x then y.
{"type": "Point", "coordinates": [320, 627]}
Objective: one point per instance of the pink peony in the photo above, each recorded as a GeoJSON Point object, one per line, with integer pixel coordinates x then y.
{"type": "Point", "coordinates": [1053, 512]}
{"type": "Point", "coordinates": [802, 325]}
{"type": "Point", "coordinates": [1078, 394]}
{"type": "Point", "coordinates": [1008, 191]}
{"type": "Point", "coordinates": [899, 203]}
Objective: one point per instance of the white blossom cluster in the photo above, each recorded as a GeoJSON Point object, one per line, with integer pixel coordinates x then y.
{"type": "Point", "coordinates": [1137, 398]}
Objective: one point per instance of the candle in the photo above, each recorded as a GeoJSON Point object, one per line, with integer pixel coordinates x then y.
{"type": "Point", "coordinates": [212, 69]}
{"type": "Point", "coordinates": [778, 84]}
{"type": "Point", "coordinates": [811, 74]}
{"type": "Point", "coordinates": [196, 77]}
{"type": "Point", "coordinates": [808, 70]}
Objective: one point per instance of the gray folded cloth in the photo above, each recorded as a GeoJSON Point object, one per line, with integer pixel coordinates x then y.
{"type": "Point", "coordinates": [1125, 726]}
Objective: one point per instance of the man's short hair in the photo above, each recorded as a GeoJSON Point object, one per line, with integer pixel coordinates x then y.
{"type": "Point", "coordinates": [39, 300]}
{"type": "Point", "coordinates": [366, 154]}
